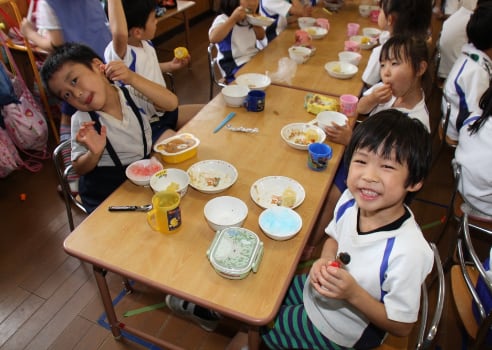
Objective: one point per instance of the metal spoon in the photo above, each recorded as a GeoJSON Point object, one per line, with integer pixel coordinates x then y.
{"type": "Point", "coordinates": [145, 207]}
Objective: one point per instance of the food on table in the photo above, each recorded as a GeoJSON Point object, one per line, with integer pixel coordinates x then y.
{"type": "Point", "coordinates": [181, 52]}
{"type": "Point", "coordinates": [176, 145]}
{"type": "Point", "coordinates": [208, 179]}
{"type": "Point", "coordinates": [337, 68]}
{"type": "Point", "coordinates": [142, 169]}
{"type": "Point", "coordinates": [302, 38]}
{"type": "Point", "coordinates": [288, 197]}
{"type": "Point", "coordinates": [365, 40]}
{"type": "Point", "coordinates": [303, 137]}
{"type": "Point", "coordinates": [315, 103]}
{"type": "Point", "coordinates": [173, 186]}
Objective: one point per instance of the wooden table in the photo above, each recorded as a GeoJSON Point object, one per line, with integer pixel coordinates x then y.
{"type": "Point", "coordinates": [312, 76]}
{"type": "Point", "coordinates": [179, 11]}
{"type": "Point", "coordinates": [177, 264]}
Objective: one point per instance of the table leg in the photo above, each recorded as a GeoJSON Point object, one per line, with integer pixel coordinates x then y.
{"type": "Point", "coordinates": [253, 338]}
{"type": "Point", "coordinates": [102, 285]}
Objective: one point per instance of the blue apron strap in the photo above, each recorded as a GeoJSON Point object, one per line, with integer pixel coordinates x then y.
{"type": "Point", "coordinates": [384, 264]}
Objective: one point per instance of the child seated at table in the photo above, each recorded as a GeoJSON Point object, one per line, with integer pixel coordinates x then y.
{"type": "Point", "coordinates": [236, 41]}
{"type": "Point", "coordinates": [474, 155]}
{"type": "Point", "coordinates": [283, 12]}
{"type": "Point", "coordinates": [470, 75]}
{"type": "Point", "coordinates": [409, 17]}
{"type": "Point", "coordinates": [111, 127]}
{"type": "Point", "coordinates": [133, 25]}
{"type": "Point", "coordinates": [378, 291]}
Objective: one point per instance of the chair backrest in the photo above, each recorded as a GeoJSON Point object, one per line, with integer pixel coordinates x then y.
{"type": "Point", "coordinates": [169, 79]}
{"type": "Point", "coordinates": [213, 66]}
{"type": "Point", "coordinates": [63, 173]}
{"type": "Point", "coordinates": [427, 330]}
{"type": "Point", "coordinates": [463, 281]}
{"type": "Point", "coordinates": [442, 127]}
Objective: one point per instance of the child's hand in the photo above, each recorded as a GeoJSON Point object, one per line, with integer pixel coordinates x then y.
{"type": "Point", "coordinates": [26, 27]}
{"type": "Point", "coordinates": [90, 138]}
{"type": "Point", "coordinates": [315, 272]}
{"type": "Point", "coordinates": [383, 93]}
{"type": "Point", "coordinates": [176, 63]}
{"type": "Point", "coordinates": [335, 282]}
{"type": "Point", "coordinates": [118, 71]}
{"type": "Point", "coordinates": [339, 134]}
{"type": "Point", "coordinates": [239, 14]}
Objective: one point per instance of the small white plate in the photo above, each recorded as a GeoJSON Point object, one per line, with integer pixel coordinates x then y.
{"type": "Point", "coordinates": [254, 81]}
{"type": "Point", "coordinates": [364, 42]}
{"type": "Point", "coordinates": [341, 70]}
{"type": "Point", "coordinates": [300, 135]}
{"type": "Point", "coordinates": [316, 32]}
{"type": "Point", "coordinates": [212, 176]}
{"type": "Point", "coordinates": [271, 191]}
{"type": "Point", "coordinates": [260, 21]}
{"type": "Point", "coordinates": [280, 223]}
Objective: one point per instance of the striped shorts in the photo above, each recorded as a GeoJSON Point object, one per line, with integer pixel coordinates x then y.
{"type": "Point", "coordinates": [292, 328]}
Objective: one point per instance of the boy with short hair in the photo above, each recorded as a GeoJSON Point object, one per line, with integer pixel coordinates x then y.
{"type": "Point", "coordinates": [378, 292]}
{"type": "Point", "coordinates": [111, 127]}
{"type": "Point", "coordinates": [133, 25]}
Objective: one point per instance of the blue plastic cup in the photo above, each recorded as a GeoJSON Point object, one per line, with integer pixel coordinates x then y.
{"type": "Point", "coordinates": [318, 156]}
{"type": "Point", "coordinates": [255, 101]}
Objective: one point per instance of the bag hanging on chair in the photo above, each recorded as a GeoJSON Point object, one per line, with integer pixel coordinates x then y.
{"type": "Point", "coordinates": [24, 121]}
{"type": "Point", "coordinates": [9, 157]}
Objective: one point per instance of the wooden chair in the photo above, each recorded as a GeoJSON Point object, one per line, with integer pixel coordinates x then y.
{"type": "Point", "coordinates": [427, 331]}
{"type": "Point", "coordinates": [464, 277]}
{"type": "Point", "coordinates": [63, 173]}
{"type": "Point", "coordinates": [213, 66]}
{"type": "Point", "coordinates": [28, 49]}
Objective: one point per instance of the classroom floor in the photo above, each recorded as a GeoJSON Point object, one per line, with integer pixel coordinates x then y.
{"type": "Point", "coordinates": [49, 300]}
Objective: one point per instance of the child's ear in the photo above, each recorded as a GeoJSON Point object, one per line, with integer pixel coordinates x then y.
{"type": "Point", "coordinates": [135, 32]}
{"type": "Point", "coordinates": [422, 68]}
{"type": "Point", "coordinates": [415, 187]}
{"type": "Point", "coordinates": [96, 64]}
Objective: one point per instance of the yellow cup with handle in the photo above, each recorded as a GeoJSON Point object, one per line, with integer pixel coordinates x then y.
{"type": "Point", "coordinates": [165, 215]}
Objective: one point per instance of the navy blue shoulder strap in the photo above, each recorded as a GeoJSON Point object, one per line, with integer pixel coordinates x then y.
{"type": "Point", "coordinates": [384, 264]}
{"type": "Point", "coordinates": [109, 146]}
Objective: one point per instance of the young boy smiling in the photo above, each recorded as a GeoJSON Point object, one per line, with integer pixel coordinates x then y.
{"type": "Point", "coordinates": [378, 292]}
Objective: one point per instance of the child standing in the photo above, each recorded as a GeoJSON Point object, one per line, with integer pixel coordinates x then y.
{"type": "Point", "coordinates": [235, 39]}
{"type": "Point", "coordinates": [133, 25]}
{"type": "Point", "coordinates": [469, 78]}
{"type": "Point", "coordinates": [474, 155]}
{"type": "Point", "coordinates": [110, 129]}
{"type": "Point", "coordinates": [408, 17]}
{"type": "Point", "coordinates": [378, 292]}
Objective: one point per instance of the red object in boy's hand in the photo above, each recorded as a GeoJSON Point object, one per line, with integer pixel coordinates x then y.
{"type": "Point", "coordinates": [335, 263]}
{"type": "Point", "coordinates": [342, 259]}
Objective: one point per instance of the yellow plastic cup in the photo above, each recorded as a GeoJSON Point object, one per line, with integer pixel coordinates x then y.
{"type": "Point", "coordinates": [165, 215]}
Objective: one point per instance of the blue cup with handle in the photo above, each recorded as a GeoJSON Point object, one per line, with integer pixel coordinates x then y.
{"type": "Point", "coordinates": [318, 156]}
{"type": "Point", "coordinates": [255, 101]}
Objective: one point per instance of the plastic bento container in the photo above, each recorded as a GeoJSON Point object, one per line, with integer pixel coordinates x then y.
{"type": "Point", "coordinates": [235, 251]}
{"type": "Point", "coordinates": [178, 148]}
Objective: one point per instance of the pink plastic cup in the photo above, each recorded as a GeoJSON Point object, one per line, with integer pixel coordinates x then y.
{"type": "Point", "coordinates": [352, 29]}
{"type": "Point", "coordinates": [348, 105]}
{"type": "Point", "coordinates": [350, 45]}
{"type": "Point", "coordinates": [374, 16]}
{"type": "Point", "coordinates": [323, 23]}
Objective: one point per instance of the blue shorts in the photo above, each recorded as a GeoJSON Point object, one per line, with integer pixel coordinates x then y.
{"type": "Point", "coordinates": [169, 120]}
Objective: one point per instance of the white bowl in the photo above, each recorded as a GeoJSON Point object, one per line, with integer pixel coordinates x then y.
{"type": "Point", "coordinates": [299, 54]}
{"type": "Point", "coordinates": [254, 81]}
{"type": "Point", "coordinates": [300, 135]}
{"type": "Point", "coordinates": [305, 22]}
{"type": "Point", "coordinates": [372, 33]}
{"type": "Point", "coordinates": [341, 70]}
{"type": "Point", "coordinates": [212, 176]}
{"type": "Point", "coordinates": [365, 10]}
{"type": "Point", "coordinates": [141, 171]}
{"type": "Point", "coordinates": [280, 223]}
{"type": "Point", "coordinates": [260, 21]}
{"type": "Point", "coordinates": [326, 118]}
{"type": "Point", "coordinates": [275, 191]}
{"type": "Point", "coordinates": [316, 32]}
{"type": "Point", "coordinates": [225, 211]}
{"type": "Point", "coordinates": [170, 179]}
{"type": "Point", "coordinates": [365, 42]}
{"type": "Point", "coordinates": [234, 95]}
{"type": "Point", "coordinates": [350, 57]}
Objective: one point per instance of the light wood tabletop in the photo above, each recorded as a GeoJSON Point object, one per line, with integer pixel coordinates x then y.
{"type": "Point", "coordinates": [312, 76]}
{"type": "Point", "coordinates": [125, 244]}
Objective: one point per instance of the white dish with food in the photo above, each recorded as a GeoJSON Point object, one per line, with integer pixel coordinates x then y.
{"type": "Point", "coordinates": [141, 171]}
{"type": "Point", "coordinates": [299, 54]}
{"type": "Point", "coordinates": [212, 176]}
{"type": "Point", "coordinates": [372, 33]}
{"type": "Point", "coordinates": [364, 42]}
{"type": "Point", "coordinates": [260, 21]}
{"type": "Point", "coordinates": [170, 179]}
{"type": "Point", "coordinates": [274, 191]}
{"type": "Point", "coordinates": [280, 223]}
{"type": "Point", "coordinates": [301, 135]}
{"type": "Point", "coordinates": [316, 32]}
{"type": "Point", "coordinates": [341, 70]}
{"type": "Point", "coordinates": [254, 81]}
{"type": "Point", "coordinates": [177, 148]}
